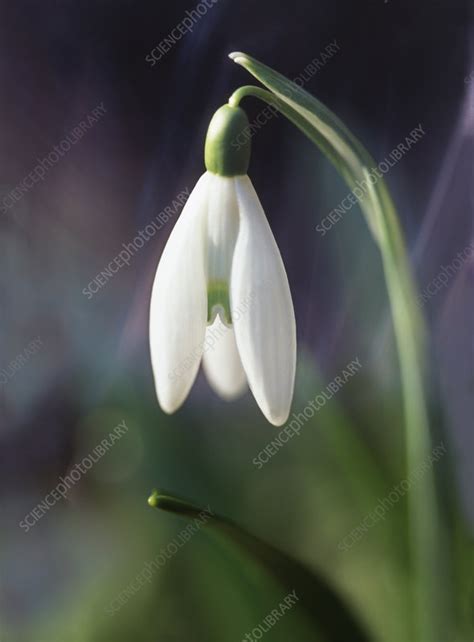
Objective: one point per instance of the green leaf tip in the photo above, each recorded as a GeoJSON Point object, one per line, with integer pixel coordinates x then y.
{"type": "Point", "coordinates": [154, 499]}
{"type": "Point", "coordinates": [235, 55]}
{"type": "Point", "coordinates": [317, 598]}
{"type": "Point", "coordinates": [171, 504]}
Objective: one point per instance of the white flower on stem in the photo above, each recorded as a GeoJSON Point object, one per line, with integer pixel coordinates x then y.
{"type": "Point", "coordinates": [221, 290]}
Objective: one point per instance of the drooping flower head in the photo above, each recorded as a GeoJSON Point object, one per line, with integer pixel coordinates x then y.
{"type": "Point", "coordinates": [221, 292]}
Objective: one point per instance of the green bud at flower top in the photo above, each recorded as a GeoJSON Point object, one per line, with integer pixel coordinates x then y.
{"type": "Point", "coordinates": [227, 148]}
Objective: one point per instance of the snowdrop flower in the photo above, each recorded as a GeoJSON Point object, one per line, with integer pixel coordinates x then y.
{"type": "Point", "coordinates": [221, 290]}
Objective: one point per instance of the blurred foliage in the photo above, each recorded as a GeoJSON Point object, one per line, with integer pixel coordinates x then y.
{"type": "Point", "coordinates": [312, 493]}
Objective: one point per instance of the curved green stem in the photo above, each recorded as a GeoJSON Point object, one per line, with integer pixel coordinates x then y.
{"type": "Point", "coordinates": [356, 165]}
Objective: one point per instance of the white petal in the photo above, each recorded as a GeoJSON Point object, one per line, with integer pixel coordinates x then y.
{"type": "Point", "coordinates": [222, 227]}
{"type": "Point", "coordinates": [222, 363]}
{"type": "Point", "coordinates": [262, 309]}
{"type": "Point", "coordinates": [178, 311]}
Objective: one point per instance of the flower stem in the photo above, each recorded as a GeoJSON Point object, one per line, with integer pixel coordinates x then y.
{"type": "Point", "coordinates": [354, 163]}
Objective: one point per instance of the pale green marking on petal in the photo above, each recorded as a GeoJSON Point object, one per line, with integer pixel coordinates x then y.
{"type": "Point", "coordinates": [218, 301]}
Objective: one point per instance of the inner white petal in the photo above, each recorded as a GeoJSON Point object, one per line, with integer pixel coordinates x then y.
{"type": "Point", "coordinates": [222, 232]}
{"type": "Point", "coordinates": [222, 363]}
{"type": "Point", "coordinates": [218, 313]}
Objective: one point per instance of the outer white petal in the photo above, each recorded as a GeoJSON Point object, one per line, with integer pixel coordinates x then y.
{"type": "Point", "coordinates": [178, 311]}
{"type": "Point", "coordinates": [262, 309]}
{"type": "Point", "coordinates": [222, 363]}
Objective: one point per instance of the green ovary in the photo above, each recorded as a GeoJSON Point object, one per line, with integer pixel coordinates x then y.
{"type": "Point", "coordinates": [227, 148]}
{"type": "Point", "coordinates": [218, 300]}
